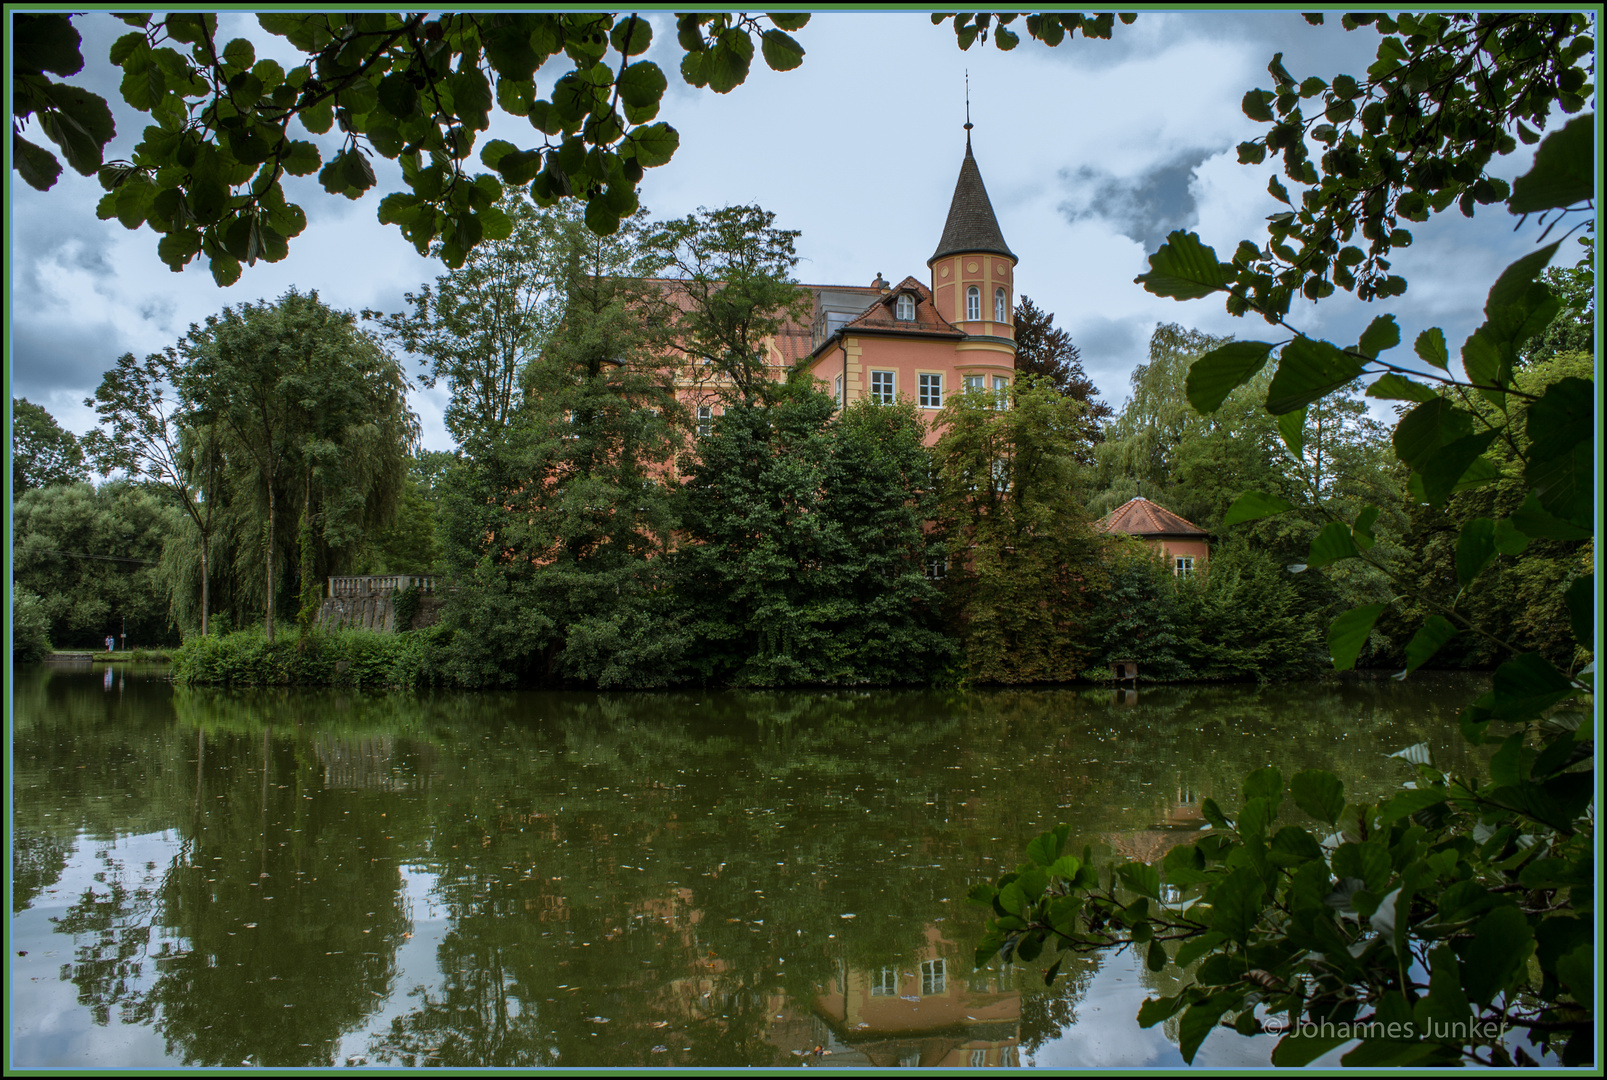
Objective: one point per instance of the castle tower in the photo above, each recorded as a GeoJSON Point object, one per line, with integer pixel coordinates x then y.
{"type": "Point", "coordinates": [973, 269]}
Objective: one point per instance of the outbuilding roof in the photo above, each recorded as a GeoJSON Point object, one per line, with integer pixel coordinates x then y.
{"type": "Point", "coordinates": [1140, 517]}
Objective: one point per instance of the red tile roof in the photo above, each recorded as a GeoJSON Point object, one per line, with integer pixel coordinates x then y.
{"type": "Point", "coordinates": [1140, 517]}
{"type": "Point", "coordinates": [880, 315]}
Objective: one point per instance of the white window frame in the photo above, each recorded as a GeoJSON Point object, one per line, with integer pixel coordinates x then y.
{"type": "Point", "coordinates": [884, 982]}
{"type": "Point", "coordinates": [973, 304]}
{"type": "Point", "coordinates": [705, 421]}
{"type": "Point", "coordinates": [979, 1058]}
{"type": "Point", "coordinates": [934, 977]}
{"type": "Point", "coordinates": [1001, 392]}
{"type": "Point", "coordinates": [931, 387]}
{"type": "Point", "coordinates": [999, 475]}
{"type": "Point", "coordinates": [937, 567]}
{"type": "Point", "coordinates": [839, 391]}
{"type": "Point", "coordinates": [1183, 566]}
{"type": "Point", "coordinates": [904, 308]}
{"type": "Point", "coordinates": [975, 382]}
{"type": "Point", "coordinates": [1001, 308]}
{"type": "Point", "coordinates": [880, 386]}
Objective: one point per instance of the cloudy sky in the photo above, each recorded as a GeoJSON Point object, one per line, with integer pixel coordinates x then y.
{"type": "Point", "coordinates": [1092, 152]}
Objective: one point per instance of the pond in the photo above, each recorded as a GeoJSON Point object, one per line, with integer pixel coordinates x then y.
{"type": "Point", "coordinates": [695, 879]}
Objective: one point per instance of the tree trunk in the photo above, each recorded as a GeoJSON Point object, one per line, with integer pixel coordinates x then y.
{"type": "Point", "coordinates": [269, 616]}
{"type": "Point", "coordinates": [206, 601]}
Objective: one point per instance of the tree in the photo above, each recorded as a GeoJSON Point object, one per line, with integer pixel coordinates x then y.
{"type": "Point", "coordinates": [482, 323]}
{"type": "Point", "coordinates": [208, 173]}
{"type": "Point", "coordinates": [735, 290]}
{"type": "Point", "coordinates": [1574, 328]}
{"type": "Point", "coordinates": [142, 437]}
{"type": "Point", "coordinates": [42, 452]}
{"type": "Point", "coordinates": [559, 525]}
{"type": "Point", "coordinates": [1020, 546]}
{"type": "Point", "coordinates": [92, 557]}
{"type": "Point", "coordinates": [1044, 350]}
{"type": "Point", "coordinates": [808, 561]}
{"type": "Point", "coordinates": [314, 422]}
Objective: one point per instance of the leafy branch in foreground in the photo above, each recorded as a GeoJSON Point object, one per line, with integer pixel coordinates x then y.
{"type": "Point", "coordinates": [208, 173]}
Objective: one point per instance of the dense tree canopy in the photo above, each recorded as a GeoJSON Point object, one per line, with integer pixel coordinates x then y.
{"type": "Point", "coordinates": [42, 452]}
{"type": "Point", "coordinates": [416, 88]}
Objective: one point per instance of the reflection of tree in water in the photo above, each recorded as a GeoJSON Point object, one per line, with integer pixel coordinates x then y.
{"type": "Point", "coordinates": [111, 932]}
{"type": "Point", "coordinates": [1046, 1012]}
{"type": "Point", "coordinates": [37, 860]}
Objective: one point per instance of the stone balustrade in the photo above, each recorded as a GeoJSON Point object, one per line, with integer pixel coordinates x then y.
{"type": "Point", "coordinates": [380, 584]}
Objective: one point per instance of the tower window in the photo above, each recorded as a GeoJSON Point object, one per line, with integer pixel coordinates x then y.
{"type": "Point", "coordinates": [904, 308]}
{"type": "Point", "coordinates": [1001, 306]}
{"type": "Point", "coordinates": [973, 304]}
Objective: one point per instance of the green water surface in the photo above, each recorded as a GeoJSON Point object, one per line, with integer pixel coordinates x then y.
{"type": "Point", "coordinates": [300, 878]}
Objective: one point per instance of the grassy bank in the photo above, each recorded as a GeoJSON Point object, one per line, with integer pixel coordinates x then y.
{"type": "Point", "coordinates": [348, 658]}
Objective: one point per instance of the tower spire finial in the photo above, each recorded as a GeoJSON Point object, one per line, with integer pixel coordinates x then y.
{"type": "Point", "coordinates": [968, 124]}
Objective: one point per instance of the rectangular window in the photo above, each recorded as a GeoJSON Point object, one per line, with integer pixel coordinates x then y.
{"type": "Point", "coordinates": [937, 568]}
{"type": "Point", "coordinates": [1000, 383]}
{"type": "Point", "coordinates": [1183, 565]}
{"type": "Point", "coordinates": [1001, 392]}
{"type": "Point", "coordinates": [705, 421]}
{"type": "Point", "coordinates": [1001, 476]}
{"type": "Point", "coordinates": [884, 983]}
{"type": "Point", "coordinates": [931, 391]}
{"type": "Point", "coordinates": [839, 390]}
{"type": "Point", "coordinates": [979, 1059]}
{"type": "Point", "coordinates": [934, 977]}
{"type": "Point", "coordinates": [881, 387]}
{"type": "Point", "coordinates": [975, 382]}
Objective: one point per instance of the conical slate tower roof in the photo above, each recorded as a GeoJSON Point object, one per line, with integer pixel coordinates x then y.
{"type": "Point", "coordinates": [971, 225]}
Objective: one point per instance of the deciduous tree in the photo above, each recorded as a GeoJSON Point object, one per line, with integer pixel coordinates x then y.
{"type": "Point", "coordinates": [42, 451]}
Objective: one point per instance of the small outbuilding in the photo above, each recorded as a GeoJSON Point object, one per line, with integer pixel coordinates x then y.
{"type": "Point", "coordinates": [1185, 546]}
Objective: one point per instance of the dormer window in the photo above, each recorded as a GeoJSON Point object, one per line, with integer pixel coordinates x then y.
{"type": "Point", "coordinates": [973, 304]}
{"type": "Point", "coordinates": [904, 308]}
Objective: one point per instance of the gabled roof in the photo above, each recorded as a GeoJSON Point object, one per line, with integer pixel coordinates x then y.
{"type": "Point", "coordinates": [971, 225]}
{"type": "Point", "coordinates": [1140, 517]}
{"type": "Point", "coordinates": [880, 315]}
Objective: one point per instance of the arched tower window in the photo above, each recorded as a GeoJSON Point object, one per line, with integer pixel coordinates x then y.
{"type": "Point", "coordinates": [1001, 306]}
{"type": "Point", "coordinates": [973, 304]}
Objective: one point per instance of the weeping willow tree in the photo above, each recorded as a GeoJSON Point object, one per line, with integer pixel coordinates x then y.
{"type": "Point", "coordinates": [314, 433]}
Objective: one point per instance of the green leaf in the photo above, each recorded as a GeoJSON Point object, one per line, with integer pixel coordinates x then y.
{"type": "Point", "coordinates": [1428, 640]}
{"type": "Point", "coordinates": [1219, 372]}
{"type": "Point", "coordinates": [1563, 171]}
{"type": "Point", "coordinates": [46, 43]}
{"type": "Point", "coordinates": [1528, 685]}
{"type": "Point", "coordinates": [1349, 632]}
{"type": "Point", "coordinates": [1141, 878]}
{"type": "Point", "coordinates": [1381, 334]}
{"type": "Point", "coordinates": [1534, 521]}
{"type": "Point", "coordinates": [1300, 1048]}
{"type": "Point", "coordinates": [1236, 903]}
{"type": "Point", "coordinates": [642, 84]}
{"type": "Point", "coordinates": [1475, 547]}
{"type": "Point", "coordinates": [1430, 347]}
{"type": "Point", "coordinates": [1293, 846]}
{"type": "Point", "coordinates": [797, 20]}
{"type": "Point", "coordinates": [781, 52]}
{"type": "Point", "coordinates": [1497, 955]}
{"type": "Point", "coordinates": [1292, 430]}
{"type": "Point", "coordinates": [1581, 600]}
{"type": "Point", "coordinates": [1444, 469]}
{"type": "Point", "coordinates": [1512, 287]}
{"type": "Point", "coordinates": [1308, 371]}
{"type": "Point", "coordinates": [1428, 427]}
{"type": "Point", "coordinates": [1253, 506]}
{"type": "Point", "coordinates": [1193, 949]}
{"type": "Point", "coordinates": [1333, 543]}
{"type": "Point", "coordinates": [1155, 1010]}
{"type": "Point", "coordinates": [1406, 803]}
{"type": "Point", "coordinates": [654, 144]}
{"type": "Point", "coordinates": [1367, 862]}
{"type": "Point", "coordinates": [37, 166]}
{"type": "Point", "coordinates": [1200, 1020]}
{"type": "Point", "coordinates": [1264, 783]}
{"type": "Point", "coordinates": [1318, 793]}
{"type": "Point", "coordinates": [1257, 106]}
{"type": "Point", "coordinates": [1045, 848]}
{"type": "Point", "coordinates": [641, 36]}
{"type": "Point", "coordinates": [1393, 387]}
{"type": "Point", "coordinates": [1388, 1053]}
{"type": "Point", "coordinates": [1185, 269]}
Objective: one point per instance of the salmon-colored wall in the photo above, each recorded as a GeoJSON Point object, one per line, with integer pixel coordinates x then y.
{"type": "Point", "coordinates": [953, 274]}
{"type": "Point", "coordinates": [1170, 548]}
{"type": "Point", "coordinates": [908, 359]}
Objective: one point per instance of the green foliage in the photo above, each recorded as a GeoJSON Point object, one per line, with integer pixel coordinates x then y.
{"type": "Point", "coordinates": [409, 544]}
{"type": "Point", "coordinates": [1022, 549]}
{"type": "Point", "coordinates": [1045, 351]}
{"type": "Point", "coordinates": [42, 452]}
{"type": "Point", "coordinates": [313, 428]}
{"type": "Point", "coordinates": [92, 558]}
{"type": "Point", "coordinates": [807, 560]}
{"type": "Point", "coordinates": [736, 286]}
{"type": "Point", "coordinates": [208, 172]}
{"type": "Point", "coordinates": [359, 659]}
{"type": "Point", "coordinates": [1050, 28]}
{"type": "Point", "coordinates": [30, 627]}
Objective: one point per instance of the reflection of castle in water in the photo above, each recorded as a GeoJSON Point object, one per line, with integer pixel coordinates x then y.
{"type": "Point", "coordinates": [925, 1017]}
{"type": "Point", "coordinates": [372, 763]}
